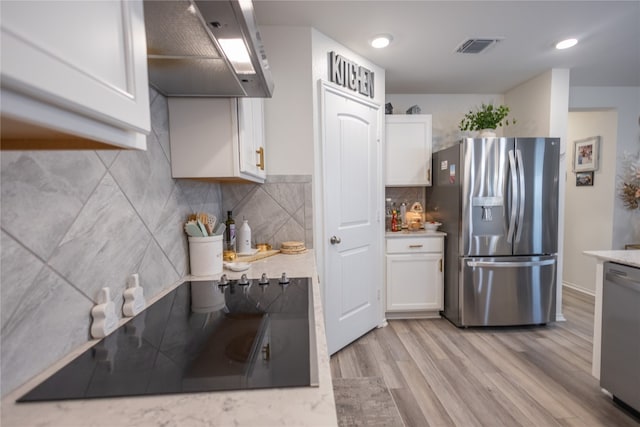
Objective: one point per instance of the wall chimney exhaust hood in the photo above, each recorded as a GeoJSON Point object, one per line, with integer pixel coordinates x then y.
{"type": "Point", "coordinates": [206, 48]}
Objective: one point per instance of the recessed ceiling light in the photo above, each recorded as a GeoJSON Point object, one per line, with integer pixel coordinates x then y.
{"type": "Point", "coordinates": [381, 41]}
{"type": "Point", "coordinates": [566, 44]}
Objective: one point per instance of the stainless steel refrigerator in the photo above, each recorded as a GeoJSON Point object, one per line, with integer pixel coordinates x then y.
{"type": "Point", "coordinates": [497, 200]}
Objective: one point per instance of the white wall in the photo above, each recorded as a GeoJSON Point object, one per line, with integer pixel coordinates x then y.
{"type": "Point", "coordinates": [626, 102]}
{"type": "Point", "coordinates": [589, 210]}
{"type": "Point", "coordinates": [529, 104]}
{"type": "Point", "coordinates": [447, 110]}
{"type": "Point", "coordinates": [289, 113]}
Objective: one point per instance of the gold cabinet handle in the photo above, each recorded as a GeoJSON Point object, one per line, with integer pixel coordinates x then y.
{"type": "Point", "coordinates": [415, 246]}
{"type": "Point", "coordinates": [429, 175]}
{"type": "Point", "coordinates": [440, 265]}
{"type": "Point", "coordinates": [260, 152]}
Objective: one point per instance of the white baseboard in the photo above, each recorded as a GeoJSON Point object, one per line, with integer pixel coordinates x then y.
{"type": "Point", "coordinates": [579, 289]}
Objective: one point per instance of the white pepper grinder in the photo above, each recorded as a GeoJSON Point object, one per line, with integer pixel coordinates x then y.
{"type": "Point", "coordinates": [244, 238]}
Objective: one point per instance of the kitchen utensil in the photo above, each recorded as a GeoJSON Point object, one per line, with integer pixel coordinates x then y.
{"type": "Point", "coordinates": [258, 255]}
{"type": "Point", "coordinates": [219, 229]}
{"type": "Point", "coordinates": [192, 229]}
{"type": "Point", "coordinates": [202, 228]}
{"type": "Point", "coordinates": [211, 223]}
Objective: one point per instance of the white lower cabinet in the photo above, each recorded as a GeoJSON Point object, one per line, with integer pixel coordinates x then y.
{"type": "Point", "coordinates": [414, 276]}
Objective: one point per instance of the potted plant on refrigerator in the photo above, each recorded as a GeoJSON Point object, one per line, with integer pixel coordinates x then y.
{"type": "Point", "coordinates": [486, 119]}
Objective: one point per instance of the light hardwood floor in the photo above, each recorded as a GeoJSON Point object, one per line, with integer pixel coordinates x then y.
{"type": "Point", "coordinates": [440, 375]}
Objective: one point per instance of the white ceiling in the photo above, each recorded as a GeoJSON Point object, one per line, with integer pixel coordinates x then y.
{"type": "Point", "coordinates": [422, 58]}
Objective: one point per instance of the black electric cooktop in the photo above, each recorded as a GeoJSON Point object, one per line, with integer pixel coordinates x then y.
{"type": "Point", "coordinates": [199, 337]}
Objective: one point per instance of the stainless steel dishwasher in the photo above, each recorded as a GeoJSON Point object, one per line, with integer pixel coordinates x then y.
{"type": "Point", "coordinates": [620, 360]}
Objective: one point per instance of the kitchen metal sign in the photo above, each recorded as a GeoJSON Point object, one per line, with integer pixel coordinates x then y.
{"type": "Point", "coordinates": [347, 73]}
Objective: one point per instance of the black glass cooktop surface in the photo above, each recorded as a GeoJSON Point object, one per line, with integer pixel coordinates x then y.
{"type": "Point", "coordinates": [199, 337]}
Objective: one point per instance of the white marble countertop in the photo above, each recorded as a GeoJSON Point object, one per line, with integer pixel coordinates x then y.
{"type": "Point", "coordinates": [298, 406]}
{"type": "Point", "coordinates": [627, 257]}
{"type": "Point", "coordinates": [417, 233]}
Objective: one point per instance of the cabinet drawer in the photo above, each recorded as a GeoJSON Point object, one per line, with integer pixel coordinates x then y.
{"type": "Point", "coordinates": [414, 245]}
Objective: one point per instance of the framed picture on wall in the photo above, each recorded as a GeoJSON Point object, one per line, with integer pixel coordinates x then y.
{"type": "Point", "coordinates": [585, 154]}
{"type": "Point", "coordinates": [584, 179]}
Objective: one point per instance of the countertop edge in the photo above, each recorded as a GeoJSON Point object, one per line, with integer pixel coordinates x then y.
{"type": "Point", "coordinates": [421, 233]}
{"type": "Point", "coordinates": [629, 257]}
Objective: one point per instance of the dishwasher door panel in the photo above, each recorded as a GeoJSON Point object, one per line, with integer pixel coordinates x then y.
{"type": "Point", "coordinates": [620, 358]}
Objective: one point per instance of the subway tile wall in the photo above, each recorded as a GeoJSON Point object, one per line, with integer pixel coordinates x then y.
{"type": "Point", "coordinates": [73, 222]}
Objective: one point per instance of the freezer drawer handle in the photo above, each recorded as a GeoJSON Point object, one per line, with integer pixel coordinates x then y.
{"type": "Point", "coordinates": [508, 264]}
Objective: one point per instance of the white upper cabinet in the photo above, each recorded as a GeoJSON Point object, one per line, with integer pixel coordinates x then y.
{"type": "Point", "coordinates": [251, 136]}
{"type": "Point", "coordinates": [217, 138]}
{"type": "Point", "coordinates": [75, 68]}
{"type": "Point", "coordinates": [408, 150]}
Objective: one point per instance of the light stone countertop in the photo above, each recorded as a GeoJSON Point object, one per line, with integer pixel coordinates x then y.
{"type": "Point", "coordinates": [417, 233]}
{"type": "Point", "coordinates": [627, 257]}
{"type": "Point", "coordinates": [295, 406]}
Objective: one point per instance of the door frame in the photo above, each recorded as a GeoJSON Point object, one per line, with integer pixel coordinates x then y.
{"type": "Point", "coordinates": [321, 244]}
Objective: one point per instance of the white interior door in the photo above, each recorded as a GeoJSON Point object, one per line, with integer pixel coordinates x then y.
{"type": "Point", "coordinates": [352, 238]}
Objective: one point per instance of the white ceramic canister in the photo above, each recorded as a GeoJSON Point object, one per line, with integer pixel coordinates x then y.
{"type": "Point", "coordinates": [243, 238]}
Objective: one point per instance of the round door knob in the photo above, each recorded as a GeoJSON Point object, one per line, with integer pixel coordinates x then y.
{"type": "Point", "coordinates": [335, 240]}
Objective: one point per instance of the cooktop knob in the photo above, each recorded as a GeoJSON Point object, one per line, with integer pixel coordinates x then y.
{"type": "Point", "coordinates": [243, 280]}
{"type": "Point", "coordinates": [264, 280]}
{"type": "Point", "coordinates": [223, 283]}
{"type": "Point", "coordinates": [284, 280]}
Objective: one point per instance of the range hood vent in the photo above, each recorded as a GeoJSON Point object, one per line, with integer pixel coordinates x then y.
{"type": "Point", "coordinates": [185, 55]}
{"type": "Point", "coordinates": [477, 45]}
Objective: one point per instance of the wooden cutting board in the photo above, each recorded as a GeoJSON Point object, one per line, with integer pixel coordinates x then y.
{"type": "Point", "coordinates": [257, 256]}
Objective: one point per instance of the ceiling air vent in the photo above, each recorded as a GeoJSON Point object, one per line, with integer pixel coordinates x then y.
{"type": "Point", "coordinates": [476, 45]}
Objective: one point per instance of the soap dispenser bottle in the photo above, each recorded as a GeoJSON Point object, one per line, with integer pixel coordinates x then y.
{"type": "Point", "coordinates": [244, 238]}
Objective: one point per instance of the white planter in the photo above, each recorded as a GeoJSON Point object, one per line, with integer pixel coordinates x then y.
{"type": "Point", "coordinates": [487, 133]}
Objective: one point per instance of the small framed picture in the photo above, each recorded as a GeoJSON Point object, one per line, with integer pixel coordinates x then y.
{"type": "Point", "coordinates": [585, 154]}
{"type": "Point", "coordinates": [584, 179]}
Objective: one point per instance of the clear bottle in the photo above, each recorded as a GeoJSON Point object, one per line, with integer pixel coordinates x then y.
{"type": "Point", "coordinates": [229, 253]}
{"type": "Point", "coordinates": [387, 215]}
{"type": "Point", "coordinates": [403, 215]}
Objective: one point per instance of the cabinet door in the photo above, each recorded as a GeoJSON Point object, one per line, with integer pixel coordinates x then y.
{"type": "Point", "coordinates": [87, 58]}
{"type": "Point", "coordinates": [251, 136]}
{"type": "Point", "coordinates": [414, 282]}
{"type": "Point", "coordinates": [205, 139]}
{"type": "Point", "coordinates": [408, 150]}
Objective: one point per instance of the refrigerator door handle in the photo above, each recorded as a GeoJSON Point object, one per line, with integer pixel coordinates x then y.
{"type": "Point", "coordinates": [514, 196]}
{"type": "Point", "coordinates": [521, 195]}
{"type": "Point", "coordinates": [510, 264]}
